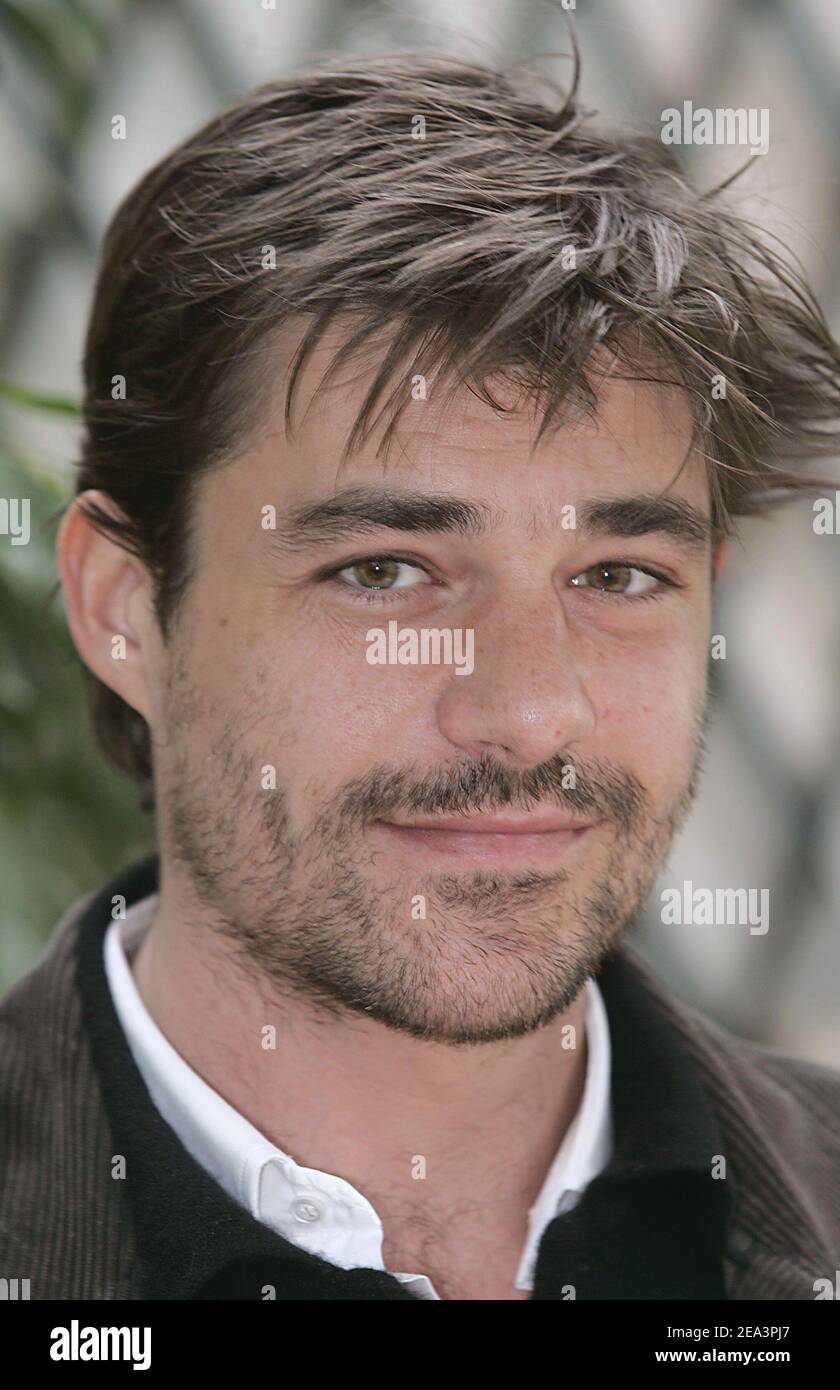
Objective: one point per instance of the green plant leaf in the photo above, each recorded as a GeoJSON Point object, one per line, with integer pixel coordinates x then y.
{"type": "Point", "coordinates": [39, 400]}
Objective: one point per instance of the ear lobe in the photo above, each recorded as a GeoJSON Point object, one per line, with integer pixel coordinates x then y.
{"type": "Point", "coordinates": [99, 579]}
{"type": "Point", "coordinates": [718, 558]}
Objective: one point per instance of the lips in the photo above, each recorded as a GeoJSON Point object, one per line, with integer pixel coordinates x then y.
{"type": "Point", "coordinates": [526, 823]}
{"type": "Point", "coordinates": [517, 839]}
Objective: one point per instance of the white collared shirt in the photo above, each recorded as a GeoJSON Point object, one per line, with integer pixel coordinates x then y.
{"type": "Point", "coordinates": [317, 1211]}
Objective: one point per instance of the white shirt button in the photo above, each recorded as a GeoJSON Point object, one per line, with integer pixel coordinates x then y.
{"type": "Point", "coordinates": [307, 1209]}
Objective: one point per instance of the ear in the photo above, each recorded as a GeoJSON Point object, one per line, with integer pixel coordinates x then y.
{"type": "Point", "coordinates": [108, 597]}
{"type": "Point", "coordinates": [718, 559]}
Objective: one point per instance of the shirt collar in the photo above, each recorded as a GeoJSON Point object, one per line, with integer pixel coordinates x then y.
{"type": "Point", "coordinates": [587, 1144]}
{"type": "Point", "coordinates": [214, 1132]}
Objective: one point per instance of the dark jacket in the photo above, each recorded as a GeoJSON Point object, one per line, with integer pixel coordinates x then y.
{"type": "Point", "coordinates": [79, 1223]}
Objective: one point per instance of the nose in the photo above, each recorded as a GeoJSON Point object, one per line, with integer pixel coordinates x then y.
{"type": "Point", "coordinates": [524, 700]}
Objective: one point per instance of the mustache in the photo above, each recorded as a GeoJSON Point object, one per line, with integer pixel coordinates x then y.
{"type": "Point", "coordinates": [483, 785]}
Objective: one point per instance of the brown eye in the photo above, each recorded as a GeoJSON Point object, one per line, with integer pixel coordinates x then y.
{"type": "Point", "coordinates": [615, 578]}
{"type": "Point", "coordinates": [376, 573]}
{"type": "Point", "coordinates": [382, 572]}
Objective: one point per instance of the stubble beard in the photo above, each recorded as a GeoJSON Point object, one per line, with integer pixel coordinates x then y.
{"type": "Point", "coordinates": [497, 954]}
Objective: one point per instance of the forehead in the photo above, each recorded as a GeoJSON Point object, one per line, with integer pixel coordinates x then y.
{"type": "Point", "coordinates": [639, 440]}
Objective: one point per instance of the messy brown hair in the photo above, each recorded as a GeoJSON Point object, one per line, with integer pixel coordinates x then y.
{"type": "Point", "coordinates": [457, 243]}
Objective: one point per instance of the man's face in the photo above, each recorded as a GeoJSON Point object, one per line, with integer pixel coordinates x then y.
{"type": "Point", "coordinates": [351, 825]}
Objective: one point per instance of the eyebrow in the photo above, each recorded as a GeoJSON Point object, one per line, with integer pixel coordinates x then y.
{"type": "Point", "coordinates": [646, 514]}
{"type": "Point", "coordinates": [357, 511]}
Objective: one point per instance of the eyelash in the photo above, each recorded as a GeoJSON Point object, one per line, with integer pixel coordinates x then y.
{"type": "Point", "coordinates": [387, 596]}
{"type": "Point", "coordinates": [374, 596]}
{"type": "Point", "coordinates": [662, 579]}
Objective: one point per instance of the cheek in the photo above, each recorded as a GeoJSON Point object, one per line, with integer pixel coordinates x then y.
{"type": "Point", "coordinates": [307, 702]}
{"type": "Point", "coordinates": [648, 707]}
{"type": "Point", "coordinates": [354, 714]}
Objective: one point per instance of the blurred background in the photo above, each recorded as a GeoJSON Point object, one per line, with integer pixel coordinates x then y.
{"type": "Point", "coordinates": [768, 815]}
